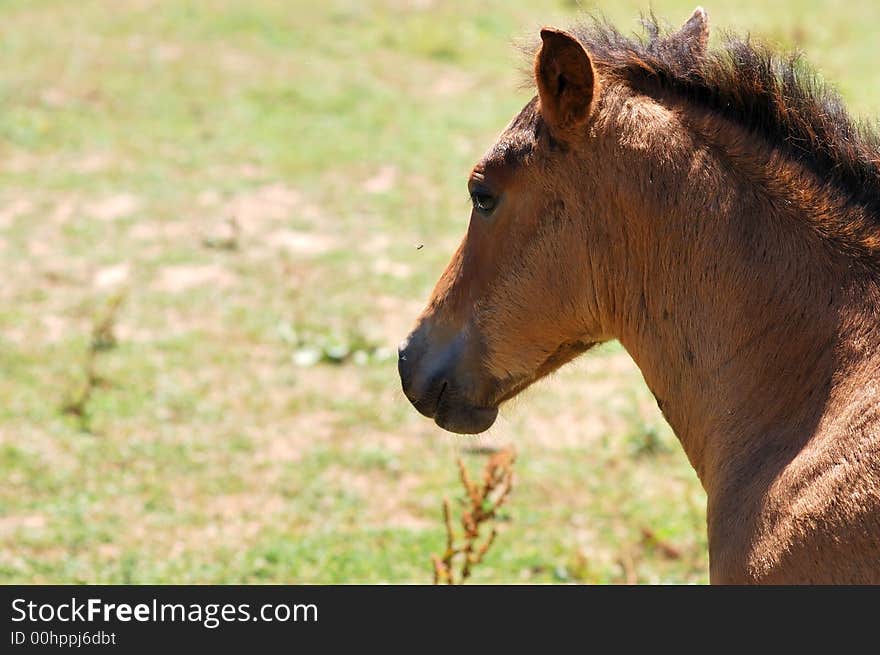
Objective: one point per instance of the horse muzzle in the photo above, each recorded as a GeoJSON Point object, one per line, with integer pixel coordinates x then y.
{"type": "Point", "coordinates": [440, 379]}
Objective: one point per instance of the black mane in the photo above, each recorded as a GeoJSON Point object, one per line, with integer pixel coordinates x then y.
{"type": "Point", "coordinates": [775, 95]}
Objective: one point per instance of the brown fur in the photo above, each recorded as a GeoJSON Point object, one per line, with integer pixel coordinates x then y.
{"type": "Point", "coordinates": [719, 217]}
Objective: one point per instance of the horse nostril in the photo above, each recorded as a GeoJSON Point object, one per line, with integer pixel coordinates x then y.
{"type": "Point", "coordinates": [440, 395]}
{"type": "Point", "coordinates": [406, 366]}
{"type": "Point", "coordinates": [424, 370]}
{"type": "Point", "coordinates": [401, 349]}
{"type": "Point", "coordinates": [427, 395]}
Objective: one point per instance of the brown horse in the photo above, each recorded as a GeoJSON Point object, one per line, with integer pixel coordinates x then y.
{"type": "Point", "coordinates": [718, 212]}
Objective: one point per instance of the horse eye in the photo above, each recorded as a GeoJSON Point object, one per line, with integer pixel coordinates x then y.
{"type": "Point", "coordinates": [483, 202]}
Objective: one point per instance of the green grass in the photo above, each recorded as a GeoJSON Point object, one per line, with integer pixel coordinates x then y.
{"type": "Point", "coordinates": [336, 137]}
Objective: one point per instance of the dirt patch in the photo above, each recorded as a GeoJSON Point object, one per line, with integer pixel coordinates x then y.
{"type": "Point", "coordinates": [376, 242]}
{"type": "Point", "coordinates": [563, 429]}
{"type": "Point", "coordinates": [55, 98]}
{"type": "Point", "coordinates": [261, 217]}
{"type": "Point", "coordinates": [11, 524]}
{"type": "Point", "coordinates": [63, 210]}
{"type": "Point", "coordinates": [229, 506]}
{"type": "Point", "coordinates": [227, 518]}
{"type": "Point", "coordinates": [13, 209]}
{"type": "Point", "coordinates": [177, 279]}
{"type": "Point", "coordinates": [148, 230]}
{"type": "Point", "coordinates": [396, 317]}
{"type": "Point", "coordinates": [414, 5]}
{"type": "Point", "coordinates": [452, 83]}
{"type": "Point", "coordinates": [301, 243]}
{"type": "Point", "coordinates": [167, 52]}
{"type": "Point", "coordinates": [113, 207]}
{"type": "Point", "coordinates": [385, 266]}
{"type": "Point", "coordinates": [385, 495]}
{"type": "Point", "coordinates": [21, 162]}
{"type": "Point", "coordinates": [94, 162]}
{"type": "Point", "coordinates": [111, 276]}
{"type": "Point", "coordinates": [55, 328]}
{"type": "Point", "coordinates": [208, 198]}
{"type": "Point", "coordinates": [580, 404]}
{"type": "Point", "coordinates": [383, 181]}
{"type": "Point", "coordinates": [238, 62]}
{"type": "Point", "coordinates": [273, 202]}
{"type": "Point", "coordinates": [286, 442]}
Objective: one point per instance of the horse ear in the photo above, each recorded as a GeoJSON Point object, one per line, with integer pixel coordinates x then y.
{"type": "Point", "coordinates": [566, 79]}
{"type": "Point", "coordinates": [694, 34]}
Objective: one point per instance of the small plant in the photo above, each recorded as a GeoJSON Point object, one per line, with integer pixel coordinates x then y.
{"type": "Point", "coordinates": [482, 502]}
{"type": "Point", "coordinates": [104, 329]}
{"type": "Point", "coordinates": [645, 441]}
{"type": "Point", "coordinates": [311, 347]}
{"type": "Point", "coordinates": [77, 401]}
{"type": "Point", "coordinates": [103, 337]}
{"type": "Point", "coordinates": [230, 240]}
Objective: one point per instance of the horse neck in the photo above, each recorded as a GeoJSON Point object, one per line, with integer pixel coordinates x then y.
{"type": "Point", "coordinates": [745, 321]}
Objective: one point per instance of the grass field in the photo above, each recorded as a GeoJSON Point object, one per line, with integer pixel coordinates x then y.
{"type": "Point", "coordinates": [210, 214]}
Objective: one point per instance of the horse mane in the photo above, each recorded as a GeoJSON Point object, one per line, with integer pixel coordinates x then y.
{"type": "Point", "coordinates": [769, 93]}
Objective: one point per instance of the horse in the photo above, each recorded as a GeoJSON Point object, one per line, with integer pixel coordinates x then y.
{"type": "Point", "coordinates": [717, 211]}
